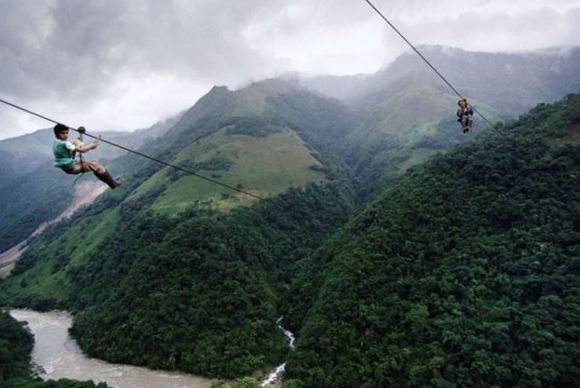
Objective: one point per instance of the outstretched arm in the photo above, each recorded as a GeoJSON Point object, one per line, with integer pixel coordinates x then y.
{"type": "Point", "coordinates": [86, 148]}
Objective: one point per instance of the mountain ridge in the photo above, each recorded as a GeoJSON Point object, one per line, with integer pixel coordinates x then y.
{"type": "Point", "coordinates": [480, 75]}
{"type": "Point", "coordinates": [203, 264]}
{"type": "Point", "coordinates": [462, 272]}
{"type": "Point", "coordinates": [141, 273]}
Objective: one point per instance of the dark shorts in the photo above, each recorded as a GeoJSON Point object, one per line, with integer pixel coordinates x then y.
{"type": "Point", "coordinates": [84, 166]}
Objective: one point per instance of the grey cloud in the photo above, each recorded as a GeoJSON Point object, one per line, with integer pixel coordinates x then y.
{"type": "Point", "coordinates": [78, 47]}
{"type": "Point", "coordinates": [82, 58]}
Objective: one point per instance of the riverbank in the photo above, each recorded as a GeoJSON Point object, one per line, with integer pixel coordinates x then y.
{"type": "Point", "coordinates": [60, 357]}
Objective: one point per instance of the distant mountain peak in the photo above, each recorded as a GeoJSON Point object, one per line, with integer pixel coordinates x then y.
{"type": "Point", "coordinates": [510, 82]}
{"type": "Point", "coordinates": [218, 89]}
{"type": "Point", "coordinates": [275, 85]}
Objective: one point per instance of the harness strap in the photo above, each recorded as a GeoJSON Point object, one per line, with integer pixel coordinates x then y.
{"type": "Point", "coordinates": [81, 130]}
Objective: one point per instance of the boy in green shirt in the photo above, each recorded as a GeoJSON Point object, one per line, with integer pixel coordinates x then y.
{"type": "Point", "coordinates": [64, 157]}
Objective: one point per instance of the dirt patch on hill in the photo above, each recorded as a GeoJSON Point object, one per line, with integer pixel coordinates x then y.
{"type": "Point", "coordinates": [8, 258]}
{"type": "Point", "coordinates": [85, 193]}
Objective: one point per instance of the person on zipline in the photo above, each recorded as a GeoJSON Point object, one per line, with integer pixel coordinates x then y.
{"type": "Point", "coordinates": [64, 157]}
{"type": "Point", "coordinates": [465, 115]}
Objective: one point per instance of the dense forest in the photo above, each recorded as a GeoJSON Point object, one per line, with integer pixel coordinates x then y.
{"type": "Point", "coordinates": [463, 273]}
{"type": "Point", "coordinates": [48, 193]}
{"type": "Point", "coordinates": [204, 298]}
{"type": "Point", "coordinates": [146, 280]}
{"type": "Point", "coordinates": [210, 277]}
{"type": "Point", "coordinates": [15, 368]}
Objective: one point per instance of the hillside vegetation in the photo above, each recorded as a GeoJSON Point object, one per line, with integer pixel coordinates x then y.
{"type": "Point", "coordinates": [404, 114]}
{"type": "Point", "coordinates": [398, 117]}
{"type": "Point", "coordinates": [264, 165]}
{"type": "Point", "coordinates": [463, 273]}
{"type": "Point", "coordinates": [512, 83]}
{"type": "Point", "coordinates": [460, 271]}
{"type": "Point", "coordinates": [172, 273]}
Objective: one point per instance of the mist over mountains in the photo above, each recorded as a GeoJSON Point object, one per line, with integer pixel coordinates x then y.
{"type": "Point", "coordinates": [511, 83]}
{"type": "Point", "coordinates": [367, 231]}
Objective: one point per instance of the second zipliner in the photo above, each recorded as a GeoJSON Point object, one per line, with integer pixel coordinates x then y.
{"type": "Point", "coordinates": [465, 115]}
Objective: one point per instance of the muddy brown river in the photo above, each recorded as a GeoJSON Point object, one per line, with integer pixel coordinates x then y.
{"type": "Point", "coordinates": [60, 357]}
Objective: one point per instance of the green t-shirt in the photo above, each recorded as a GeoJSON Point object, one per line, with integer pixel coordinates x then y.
{"type": "Point", "coordinates": [63, 153]}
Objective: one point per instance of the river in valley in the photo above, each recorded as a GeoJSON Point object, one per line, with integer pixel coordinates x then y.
{"type": "Point", "coordinates": [273, 380]}
{"type": "Point", "coordinates": [60, 357]}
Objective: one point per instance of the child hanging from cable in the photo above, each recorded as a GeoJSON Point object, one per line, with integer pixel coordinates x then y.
{"type": "Point", "coordinates": [465, 115]}
{"type": "Point", "coordinates": [64, 156]}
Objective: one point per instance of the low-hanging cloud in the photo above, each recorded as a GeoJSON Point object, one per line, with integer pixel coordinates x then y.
{"type": "Point", "coordinates": [123, 64]}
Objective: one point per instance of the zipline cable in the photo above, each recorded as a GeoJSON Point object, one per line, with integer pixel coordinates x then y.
{"type": "Point", "coordinates": [136, 152]}
{"type": "Point", "coordinates": [427, 61]}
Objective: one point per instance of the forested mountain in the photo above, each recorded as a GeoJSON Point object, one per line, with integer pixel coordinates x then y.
{"type": "Point", "coordinates": [172, 272]}
{"type": "Point", "coordinates": [463, 273]}
{"type": "Point", "coordinates": [512, 83]}
{"type": "Point", "coordinates": [405, 113]}
{"type": "Point", "coordinates": [264, 139]}
{"type": "Point", "coordinates": [402, 125]}
{"type": "Point", "coordinates": [15, 153]}
{"type": "Point", "coordinates": [396, 118]}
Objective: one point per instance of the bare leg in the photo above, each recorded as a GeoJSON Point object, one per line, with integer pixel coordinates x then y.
{"type": "Point", "coordinates": [88, 165]}
{"type": "Point", "coordinates": [97, 169]}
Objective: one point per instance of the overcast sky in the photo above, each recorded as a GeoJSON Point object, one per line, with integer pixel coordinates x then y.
{"type": "Point", "coordinates": [125, 64]}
